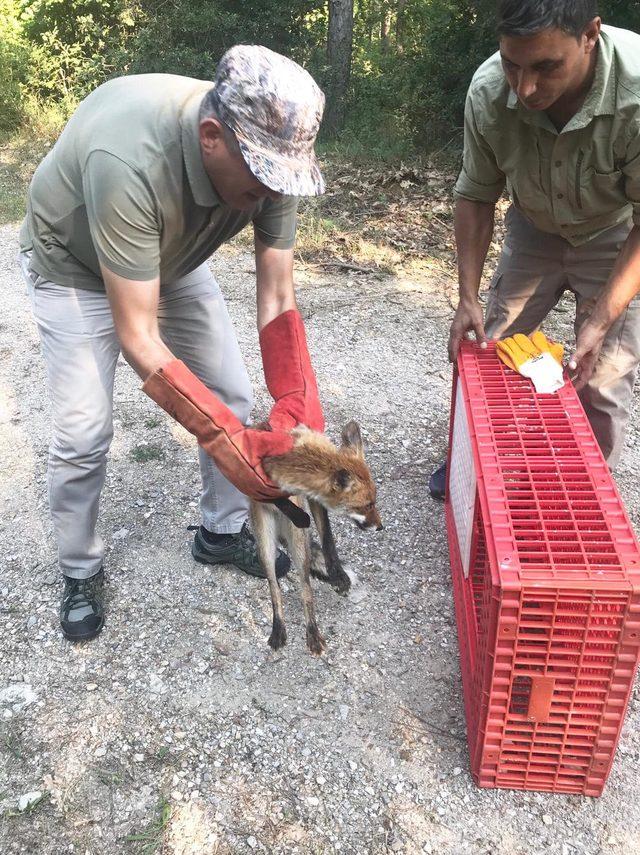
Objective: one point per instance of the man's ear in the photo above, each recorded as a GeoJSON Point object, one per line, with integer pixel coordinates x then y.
{"type": "Point", "coordinates": [211, 135]}
{"type": "Point", "coordinates": [591, 34]}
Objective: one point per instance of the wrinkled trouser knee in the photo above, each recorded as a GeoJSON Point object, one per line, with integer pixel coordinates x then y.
{"type": "Point", "coordinates": [534, 270]}
{"type": "Point", "coordinates": [81, 351]}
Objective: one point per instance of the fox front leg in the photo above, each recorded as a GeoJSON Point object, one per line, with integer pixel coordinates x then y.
{"type": "Point", "coordinates": [335, 572]}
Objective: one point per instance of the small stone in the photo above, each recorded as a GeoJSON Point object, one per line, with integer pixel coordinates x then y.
{"type": "Point", "coordinates": [457, 771]}
{"type": "Point", "coordinates": [177, 795]}
{"type": "Point", "coordinates": [546, 819]}
{"type": "Point", "coordinates": [138, 758]}
{"type": "Point", "coordinates": [314, 801]}
{"type": "Point", "coordinates": [156, 686]}
{"type": "Point", "coordinates": [120, 534]}
{"type": "Point", "coordinates": [344, 711]}
{"type": "Point", "coordinates": [18, 695]}
{"type": "Point", "coordinates": [252, 842]}
{"type": "Point", "coordinates": [100, 752]}
{"type": "Point", "coordinates": [28, 799]}
{"type": "Point", "coordinates": [91, 687]}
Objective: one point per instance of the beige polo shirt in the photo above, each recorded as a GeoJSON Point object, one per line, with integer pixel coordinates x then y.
{"type": "Point", "coordinates": [576, 182]}
{"type": "Point", "coordinates": [125, 185]}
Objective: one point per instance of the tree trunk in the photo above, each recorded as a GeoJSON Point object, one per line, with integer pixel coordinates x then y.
{"type": "Point", "coordinates": [385, 26]}
{"type": "Point", "coordinates": [339, 49]}
{"type": "Point", "coordinates": [400, 25]}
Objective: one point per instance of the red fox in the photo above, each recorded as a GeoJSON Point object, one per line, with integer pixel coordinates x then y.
{"type": "Point", "coordinates": [323, 476]}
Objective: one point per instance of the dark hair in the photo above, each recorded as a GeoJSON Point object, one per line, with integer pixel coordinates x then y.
{"type": "Point", "coordinates": [528, 17]}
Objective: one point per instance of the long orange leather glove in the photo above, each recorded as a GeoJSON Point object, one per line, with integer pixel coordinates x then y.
{"type": "Point", "coordinates": [289, 374]}
{"type": "Point", "coordinates": [237, 450]}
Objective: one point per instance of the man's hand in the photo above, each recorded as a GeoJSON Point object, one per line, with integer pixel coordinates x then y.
{"type": "Point", "coordinates": [622, 287]}
{"type": "Point", "coordinates": [584, 358]}
{"type": "Point", "coordinates": [468, 317]}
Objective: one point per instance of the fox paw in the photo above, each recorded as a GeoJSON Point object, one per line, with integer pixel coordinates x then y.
{"type": "Point", "coordinates": [278, 637]}
{"type": "Point", "coordinates": [315, 642]}
{"type": "Point", "coordinates": [341, 583]}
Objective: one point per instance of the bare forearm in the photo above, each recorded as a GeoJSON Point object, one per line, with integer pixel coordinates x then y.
{"type": "Point", "coordinates": [145, 354]}
{"type": "Point", "coordinates": [623, 284]}
{"type": "Point", "coordinates": [274, 281]}
{"type": "Point", "coordinates": [473, 232]}
{"type": "Point", "coordinates": [134, 306]}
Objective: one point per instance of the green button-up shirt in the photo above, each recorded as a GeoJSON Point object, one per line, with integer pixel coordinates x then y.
{"type": "Point", "coordinates": [125, 185]}
{"type": "Point", "coordinates": [576, 182]}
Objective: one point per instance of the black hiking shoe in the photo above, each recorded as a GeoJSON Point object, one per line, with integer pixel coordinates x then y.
{"type": "Point", "coordinates": [237, 549]}
{"type": "Point", "coordinates": [438, 481]}
{"type": "Point", "coordinates": [82, 607]}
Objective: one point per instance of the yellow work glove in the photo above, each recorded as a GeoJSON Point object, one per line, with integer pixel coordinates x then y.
{"type": "Point", "coordinates": [534, 357]}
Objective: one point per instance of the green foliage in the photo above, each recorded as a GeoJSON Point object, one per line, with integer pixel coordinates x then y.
{"type": "Point", "coordinates": [621, 13]}
{"type": "Point", "coordinates": [189, 36]}
{"type": "Point", "coordinates": [459, 37]}
{"type": "Point", "coordinates": [14, 64]}
{"type": "Point", "coordinates": [412, 59]}
{"type": "Point", "coordinates": [71, 44]}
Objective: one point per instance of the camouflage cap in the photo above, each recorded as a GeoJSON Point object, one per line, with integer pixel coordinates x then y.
{"type": "Point", "coordinates": [274, 108]}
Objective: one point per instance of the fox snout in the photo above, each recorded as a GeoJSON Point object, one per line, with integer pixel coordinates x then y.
{"type": "Point", "coordinates": [370, 520]}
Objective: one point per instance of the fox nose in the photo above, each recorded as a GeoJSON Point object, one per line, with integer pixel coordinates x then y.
{"type": "Point", "coordinates": [380, 527]}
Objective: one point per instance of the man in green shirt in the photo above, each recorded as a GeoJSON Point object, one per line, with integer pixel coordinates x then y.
{"type": "Point", "coordinates": [554, 117]}
{"type": "Point", "coordinates": [149, 177]}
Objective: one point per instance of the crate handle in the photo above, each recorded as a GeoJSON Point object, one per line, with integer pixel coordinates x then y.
{"type": "Point", "coordinates": [540, 698]}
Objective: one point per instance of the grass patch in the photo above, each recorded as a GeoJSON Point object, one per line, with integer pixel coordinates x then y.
{"type": "Point", "coordinates": [145, 453]}
{"type": "Point", "coordinates": [151, 838]}
{"type": "Point", "coordinates": [12, 742]}
{"type": "Point", "coordinates": [152, 422]}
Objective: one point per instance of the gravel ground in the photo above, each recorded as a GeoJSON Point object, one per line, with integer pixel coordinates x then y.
{"type": "Point", "coordinates": [178, 726]}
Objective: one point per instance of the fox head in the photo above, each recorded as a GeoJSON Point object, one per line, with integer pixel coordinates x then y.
{"type": "Point", "coordinates": [338, 478]}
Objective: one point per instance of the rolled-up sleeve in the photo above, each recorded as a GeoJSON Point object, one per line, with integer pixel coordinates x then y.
{"type": "Point", "coordinates": [480, 179]}
{"type": "Point", "coordinates": [631, 172]}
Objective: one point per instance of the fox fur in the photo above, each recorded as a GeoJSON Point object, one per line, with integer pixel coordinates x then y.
{"type": "Point", "coordinates": [319, 476]}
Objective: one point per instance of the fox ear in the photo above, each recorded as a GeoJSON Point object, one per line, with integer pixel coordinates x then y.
{"type": "Point", "coordinates": [352, 438]}
{"type": "Point", "coordinates": [341, 479]}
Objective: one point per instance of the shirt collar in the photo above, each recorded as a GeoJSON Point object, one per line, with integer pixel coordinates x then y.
{"type": "Point", "coordinates": [600, 100]}
{"type": "Point", "coordinates": [201, 186]}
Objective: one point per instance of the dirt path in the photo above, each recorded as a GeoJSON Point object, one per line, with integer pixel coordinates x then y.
{"type": "Point", "coordinates": [178, 725]}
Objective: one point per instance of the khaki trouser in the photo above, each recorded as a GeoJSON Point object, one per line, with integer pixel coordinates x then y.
{"type": "Point", "coordinates": [81, 349]}
{"type": "Point", "coordinates": [534, 270]}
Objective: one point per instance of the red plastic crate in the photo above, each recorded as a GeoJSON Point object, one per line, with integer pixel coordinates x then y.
{"type": "Point", "coordinates": [546, 580]}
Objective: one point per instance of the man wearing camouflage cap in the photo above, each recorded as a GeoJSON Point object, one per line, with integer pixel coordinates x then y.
{"type": "Point", "coordinates": [150, 176]}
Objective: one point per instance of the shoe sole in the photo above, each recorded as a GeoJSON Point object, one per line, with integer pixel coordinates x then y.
{"type": "Point", "coordinates": [204, 558]}
{"type": "Point", "coordinates": [85, 637]}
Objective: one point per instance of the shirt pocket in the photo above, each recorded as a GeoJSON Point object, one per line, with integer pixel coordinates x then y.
{"type": "Point", "coordinates": [599, 193]}
{"type": "Point", "coordinates": [528, 178]}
